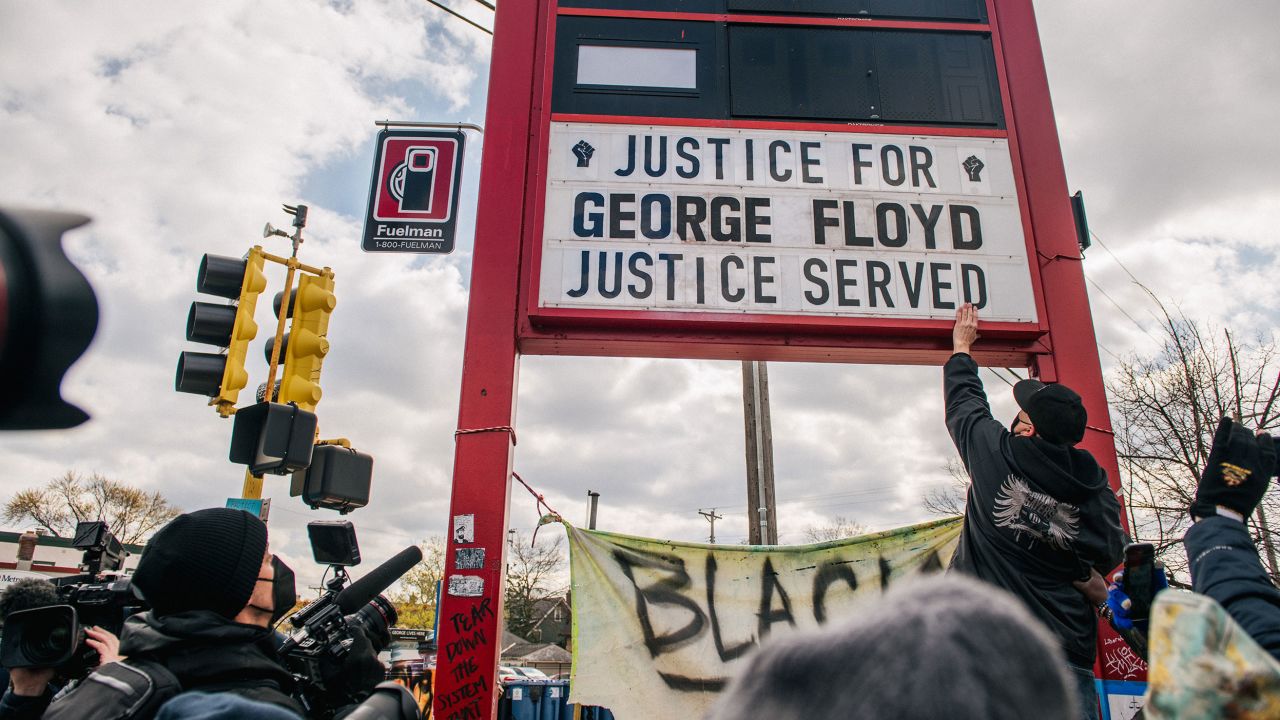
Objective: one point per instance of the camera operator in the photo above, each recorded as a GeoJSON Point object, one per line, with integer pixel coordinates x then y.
{"type": "Point", "coordinates": [31, 689]}
{"type": "Point", "coordinates": [214, 589]}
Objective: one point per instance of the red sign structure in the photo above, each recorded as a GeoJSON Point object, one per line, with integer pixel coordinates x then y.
{"type": "Point", "coordinates": [724, 179]}
{"type": "Point", "coordinates": [413, 195]}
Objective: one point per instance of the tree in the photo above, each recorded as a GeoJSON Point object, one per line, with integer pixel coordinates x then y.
{"type": "Point", "coordinates": [839, 528]}
{"type": "Point", "coordinates": [131, 513]}
{"type": "Point", "coordinates": [950, 499]}
{"type": "Point", "coordinates": [535, 572]}
{"type": "Point", "coordinates": [1165, 408]}
{"type": "Point", "coordinates": [415, 595]}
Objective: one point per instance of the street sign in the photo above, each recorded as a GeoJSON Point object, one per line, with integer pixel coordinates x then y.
{"type": "Point", "coordinates": [413, 195]}
{"type": "Point", "coordinates": [256, 506]}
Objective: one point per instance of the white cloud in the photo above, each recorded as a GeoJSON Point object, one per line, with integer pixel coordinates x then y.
{"type": "Point", "coordinates": [181, 129]}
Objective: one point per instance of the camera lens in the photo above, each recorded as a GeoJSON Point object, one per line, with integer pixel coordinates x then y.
{"type": "Point", "coordinates": [375, 619]}
{"type": "Point", "coordinates": [48, 639]}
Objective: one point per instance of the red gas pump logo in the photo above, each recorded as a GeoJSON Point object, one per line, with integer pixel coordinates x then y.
{"type": "Point", "coordinates": [416, 179]}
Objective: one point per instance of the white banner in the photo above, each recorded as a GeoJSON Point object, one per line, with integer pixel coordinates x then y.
{"type": "Point", "coordinates": [790, 223]}
{"type": "Point", "coordinates": [661, 626]}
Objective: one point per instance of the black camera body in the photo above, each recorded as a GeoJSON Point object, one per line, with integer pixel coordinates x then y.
{"type": "Point", "coordinates": [345, 619]}
{"type": "Point", "coordinates": [53, 636]}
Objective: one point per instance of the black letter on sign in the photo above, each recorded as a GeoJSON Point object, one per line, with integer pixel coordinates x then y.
{"type": "Point", "coordinates": [631, 158]}
{"type": "Point", "coordinates": [661, 169]}
{"type": "Point", "coordinates": [821, 221]}
{"type": "Point", "coordinates": [806, 162]}
{"type": "Point", "coordinates": [726, 653]}
{"type": "Point", "coordinates": [858, 162]}
{"type": "Point", "coordinates": [682, 146]}
{"type": "Point", "coordinates": [774, 147]}
{"type": "Point", "coordinates": [939, 285]}
{"type": "Point", "coordinates": [975, 227]}
{"type": "Point", "coordinates": [634, 266]}
{"type": "Point", "coordinates": [899, 222]}
{"type": "Point", "coordinates": [979, 284]}
{"type": "Point", "coordinates": [586, 276]}
{"type": "Point", "coordinates": [617, 274]}
{"type": "Point", "coordinates": [829, 573]}
{"type": "Point", "coordinates": [878, 275]}
{"type": "Point", "coordinates": [663, 227]}
{"type": "Point", "coordinates": [823, 294]}
{"type": "Point", "coordinates": [898, 163]}
{"type": "Point", "coordinates": [580, 216]}
{"type": "Point", "coordinates": [724, 278]}
{"type": "Point", "coordinates": [670, 259]}
{"type": "Point", "coordinates": [921, 159]}
{"type": "Point", "coordinates": [930, 223]}
{"type": "Point", "coordinates": [663, 592]}
{"type": "Point", "coordinates": [617, 215]}
{"type": "Point", "coordinates": [724, 226]}
{"type": "Point", "coordinates": [758, 262]}
{"type": "Point", "coordinates": [755, 220]}
{"type": "Point", "coordinates": [691, 211]}
{"type": "Point", "coordinates": [768, 616]}
{"type": "Point", "coordinates": [913, 292]}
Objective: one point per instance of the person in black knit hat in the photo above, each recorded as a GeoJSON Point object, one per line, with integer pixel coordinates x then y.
{"type": "Point", "coordinates": [1041, 521]}
{"type": "Point", "coordinates": [214, 589]}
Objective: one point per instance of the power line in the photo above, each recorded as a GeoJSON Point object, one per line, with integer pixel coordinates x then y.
{"type": "Point", "coordinates": [1118, 306]}
{"type": "Point", "coordinates": [461, 17]}
{"type": "Point", "coordinates": [487, 4]}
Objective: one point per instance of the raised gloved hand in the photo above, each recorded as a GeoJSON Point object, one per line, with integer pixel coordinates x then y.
{"type": "Point", "coordinates": [1119, 602]}
{"type": "Point", "coordinates": [1236, 476]}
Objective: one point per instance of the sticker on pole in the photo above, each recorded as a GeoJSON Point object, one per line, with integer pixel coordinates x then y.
{"type": "Point", "coordinates": [413, 197]}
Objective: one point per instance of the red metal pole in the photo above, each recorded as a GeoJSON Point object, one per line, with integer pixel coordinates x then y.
{"type": "Point", "coordinates": [470, 622]}
{"type": "Point", "coordinates": [1074, 360]}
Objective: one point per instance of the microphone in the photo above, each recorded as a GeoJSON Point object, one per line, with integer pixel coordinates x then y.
{"type": "Point", "coordinates": [359, 593]}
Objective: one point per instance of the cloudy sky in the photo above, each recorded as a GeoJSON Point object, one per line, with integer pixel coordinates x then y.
{"type": "Point", "coordinates": [182, 127]}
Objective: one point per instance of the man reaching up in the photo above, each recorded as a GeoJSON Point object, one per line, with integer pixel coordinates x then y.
{"type": "Point", "coordinates": [1039, 515]}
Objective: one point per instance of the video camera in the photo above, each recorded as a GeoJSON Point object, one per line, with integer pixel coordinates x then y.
{"type": "Point", "coordinates": [326, 631]}
{"type": "Point", "coordinates": [53, 636]}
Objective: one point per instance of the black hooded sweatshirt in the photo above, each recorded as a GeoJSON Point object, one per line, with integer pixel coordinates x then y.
{"type": "Point", "coordinates": [1038, 515]}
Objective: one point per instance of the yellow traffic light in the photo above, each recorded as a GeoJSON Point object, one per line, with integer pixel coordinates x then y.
{"type": "Point", "coordinates": [307, 342]}
{"type": "Point", "coordinates": [221, 377]}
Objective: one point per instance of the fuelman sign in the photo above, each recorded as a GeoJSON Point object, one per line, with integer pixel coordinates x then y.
{"type": "Point", "coordinates": [693, 219]}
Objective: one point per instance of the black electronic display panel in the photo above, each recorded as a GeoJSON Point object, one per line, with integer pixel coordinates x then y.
{"type": "Point", "coordinates": [704, 69]}
{"type": "Point", "coordinates": [938, 10]}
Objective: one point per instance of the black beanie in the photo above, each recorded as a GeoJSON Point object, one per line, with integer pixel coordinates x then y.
{"type": "Point", "coordinates": [203, 560]}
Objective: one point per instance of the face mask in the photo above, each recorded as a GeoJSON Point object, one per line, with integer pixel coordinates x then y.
{"type": "Point", "coordinates": [283, 593]}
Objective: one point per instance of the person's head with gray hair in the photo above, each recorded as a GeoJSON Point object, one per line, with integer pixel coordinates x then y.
{"type": "Point", "coordinates": [941, 647]}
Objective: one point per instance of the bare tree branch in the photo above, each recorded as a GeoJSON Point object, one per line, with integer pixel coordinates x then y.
{"type": "Point", "coordinates": [131, 513]}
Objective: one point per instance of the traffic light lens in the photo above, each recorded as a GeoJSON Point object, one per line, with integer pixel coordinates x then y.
{"type": "Point", "coordinates": [220, 275]}
{"type": "Point", "coordinates": [200, 373]}
{"type": "Point", "coordinates": [211, 323]}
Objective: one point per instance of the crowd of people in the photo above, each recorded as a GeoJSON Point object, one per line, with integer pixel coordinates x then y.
{"type": "Point", "coordinates": [1008, 632]}
{"type": "Point", "coordinates": [1041, 530]}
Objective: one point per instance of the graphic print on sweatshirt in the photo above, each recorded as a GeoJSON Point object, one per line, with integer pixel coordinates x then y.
{"type": "Point", "coordinates": [1021, 509]}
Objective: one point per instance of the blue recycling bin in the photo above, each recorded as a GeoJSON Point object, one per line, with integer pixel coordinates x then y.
{"type": "Point", "coordinates": [587, 712]}
{"type": "Point", "coordinates": [517, 701]}
{"type": "Point", "coordinates": [555, 699]}
{"type": "Point", "coordinates": [524, 700]}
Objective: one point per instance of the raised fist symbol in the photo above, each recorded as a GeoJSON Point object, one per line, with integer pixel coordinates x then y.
{"type": "Point", "coordinates": [973, 166]}
{"type": "Point", "coordinates": [583, 151]}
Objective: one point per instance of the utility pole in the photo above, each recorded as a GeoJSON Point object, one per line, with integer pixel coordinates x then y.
{"type": "Point", "coordinates": [762, 516]}
{"type": "Point", "coordinates": [711, 517]}
{"type": "Point", "coordinates": [593, 500]}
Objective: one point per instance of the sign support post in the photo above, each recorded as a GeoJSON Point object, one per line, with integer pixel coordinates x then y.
{"type": "Point", "coordinates": [470, 609]}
